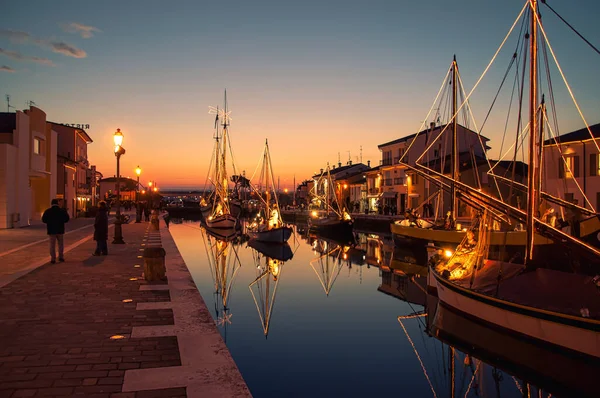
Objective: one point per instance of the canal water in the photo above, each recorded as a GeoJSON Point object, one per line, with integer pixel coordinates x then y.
{"type": "Point", "coordinates": [340, 320]}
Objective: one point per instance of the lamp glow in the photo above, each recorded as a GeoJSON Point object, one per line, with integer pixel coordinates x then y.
{"type": "Point", "coordinates": [118, 138]}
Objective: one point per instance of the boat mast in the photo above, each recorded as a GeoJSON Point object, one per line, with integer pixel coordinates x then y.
{"type": "Point", "coordinates": [267, 167]}
{"type": "Point", "coordinates": [224, 156]}
{"type": "Point", "coordinates": [454, 203]}
{"type": "Point", "coordinates": [533, 173]}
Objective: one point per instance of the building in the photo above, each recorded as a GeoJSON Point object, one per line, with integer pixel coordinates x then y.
{"type": "Point", "coordinates": [108, 188]}
{"type": "Point", "coordinates": [74, 177]}
{"type": "Point", "coordinates": [572, 167]}
{"type": "Point", "coordinates": [28, 146]}
{"type": "Point", "coordinates": [402, 188]}
{"type": "Point", "coordinates": [340, 176]}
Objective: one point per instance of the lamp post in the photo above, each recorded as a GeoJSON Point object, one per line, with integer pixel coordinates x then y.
{"type": "Point", "coordinates": [138, 212]}
{"type": "Point", "coordinates": [119, 150]}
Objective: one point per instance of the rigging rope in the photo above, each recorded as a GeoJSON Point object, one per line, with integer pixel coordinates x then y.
{"type": "Point", "coordinates": [570, 26]}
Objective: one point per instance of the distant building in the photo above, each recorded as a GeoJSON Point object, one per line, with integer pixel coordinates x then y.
{"type": "Point", "coordinates": [340, 176]}
{"type": "Point", "coordinates": [74, 177]}
{"type": "Point", "coordinates": [572, 167]}
{"type": "Point", "coordinates": [28, 147]}
{"type": "Point", "coordinates": [108, 188]}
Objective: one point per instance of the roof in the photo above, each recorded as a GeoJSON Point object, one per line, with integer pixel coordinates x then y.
{"type": "Point", "coordinates": [577, 135]}
{"type": "Point", "coordinates": [114, 179]}
{"type": "Point", "coordinates": [334, 171]}
{"type": "Point", "coordinates": [438, 128]}
{"type": "Point", "coordinates": [8, 122]}
{"type": "Point", "coordinates": [82, 131]}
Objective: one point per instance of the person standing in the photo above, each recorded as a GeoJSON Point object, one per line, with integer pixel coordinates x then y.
{"type": "Point", "coordinates": [55, 219]}
{"type": "Point", "coordinates": [101, 230]}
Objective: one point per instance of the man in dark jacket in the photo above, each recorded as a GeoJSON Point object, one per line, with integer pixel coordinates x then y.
{"type": "Point", "coordinates": [101, 230]}
{"type": "Point", "coordinates": [55, 219]}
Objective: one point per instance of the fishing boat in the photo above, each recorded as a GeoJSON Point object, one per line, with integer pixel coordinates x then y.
{"type": "Point", "coordinates": [267, 225]}
{"type": "Point", "coordinates": [551, 301]}
{"type": "Point", "coordinates": [220, 217]}
{"type": "Point", "coordinates": [330, 218]}
{"type": "Point", "coordinates": [268, 260]}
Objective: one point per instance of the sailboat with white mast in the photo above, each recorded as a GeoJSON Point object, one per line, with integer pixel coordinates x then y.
{"type": "Point", "coordinates": [221, 218]}
{"type": "Point", "coordinates": [553, 301]}
{"type": "Point", "coordinates": [268, 226]}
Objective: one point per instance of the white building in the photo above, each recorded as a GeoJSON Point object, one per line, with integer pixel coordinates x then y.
{"type": "Point", "coordinates": [27, 167]}
{"type": "Point", "coordinates": [579, 172]}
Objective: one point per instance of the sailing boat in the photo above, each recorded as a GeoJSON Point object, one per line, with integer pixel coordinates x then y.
{"type": "Point", "coordinates": [543, 300]}
{"type": "Point", "coordinates": [268, 226]}
{"type": "Point", "coordinates": [335, 220]}
{"type": "Point", "coordinates": [504, 243]}
{"type": "Point", "coordinates": [221, 217]}
{"type": "Point", "coordinates": [264, 287]}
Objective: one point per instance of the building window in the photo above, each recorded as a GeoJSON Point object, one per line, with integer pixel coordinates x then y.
{"type": "Point", "coordinates": [594, 164]}
{"type": "Point", "coordinates": [569, 197]}
{"type": "Point", "coordinates": [569, 168]}
{"type": "Point", "coordinates": [37, 146]}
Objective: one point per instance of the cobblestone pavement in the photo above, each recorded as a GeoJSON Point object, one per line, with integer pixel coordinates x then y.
{"type": "Point", "coordinates": [56, 322]}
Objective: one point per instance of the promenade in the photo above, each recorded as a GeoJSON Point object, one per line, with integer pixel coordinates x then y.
{"type": "Point", "coordinates": [92, 326]}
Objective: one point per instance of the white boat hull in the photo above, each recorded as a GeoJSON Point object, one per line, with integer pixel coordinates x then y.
{"type": "Point", "coordinates": [276, 235]}
{"type": "Point", "coordinates": [557, 329]}
{"type": "Point", "coordinates": [226, 221]}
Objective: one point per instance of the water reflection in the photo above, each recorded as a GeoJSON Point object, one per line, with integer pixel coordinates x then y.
{"type": "Point", "coordinates": [224, 264]}
{"type": "Point", "coordinates": [269, 260]}
{"type": "Point", "coordinates": [350, 341]}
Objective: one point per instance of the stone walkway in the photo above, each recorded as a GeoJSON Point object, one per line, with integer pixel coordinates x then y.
{"type": "Point", "coordinates": [73, 329]}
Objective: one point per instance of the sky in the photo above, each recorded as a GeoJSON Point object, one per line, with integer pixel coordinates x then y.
{"type": "Point", "coordinates": [321, 80]}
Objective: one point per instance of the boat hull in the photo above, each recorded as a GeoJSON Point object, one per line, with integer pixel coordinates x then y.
{"type": "Point", "coordinates": [331, 227]}
{"type": "Point", "coordinates": [226, 221]}
{"type": "Point", "coordinates": [275, 235]}
{"type": "Point", "coordinates": [576, 334]}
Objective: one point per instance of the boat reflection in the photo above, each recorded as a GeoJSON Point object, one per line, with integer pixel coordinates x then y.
{"type": "Point", "coordinates": [269, 260]}
{"type": "Point", "coordinates": [224, 263]}
{"type": "Point", "coordinates": [478, 359]}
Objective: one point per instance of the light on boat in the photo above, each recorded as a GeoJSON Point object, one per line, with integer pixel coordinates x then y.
{"type": "Point", "coordinates": [464, 230]}
{"type": "Point", "coordinates": [448, 253]}
{"type": "Point", "coordinates": [345, 256]}
{"type": "Point", "coordinates": [314, 213]}
{"type": "Point", "coordinates": [458, 226]}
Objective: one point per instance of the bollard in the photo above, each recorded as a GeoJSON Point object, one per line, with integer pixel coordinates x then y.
{"type": "Point", "coordinates": [154, 264]}
{"type": "Point", "coordinates": [154, 220]}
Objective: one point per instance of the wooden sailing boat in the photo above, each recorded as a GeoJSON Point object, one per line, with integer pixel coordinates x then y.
{"type": "Point", "coordinates": [221, 217]}
{"type": "Point", "coordinates": [268, 226]}
{"type": "Point", "coordinates": [335, 220]}
{"type": "Point", "coordinates": [543, 300]}
{"type": "Point", "coordinates": [264, 287]}
{"type": "Point", "coordinates": [505, 243]}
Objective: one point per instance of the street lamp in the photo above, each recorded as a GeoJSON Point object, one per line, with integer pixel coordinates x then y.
{"type": "Point", "coordinates": [138, 213]}
{"type": "Point", "coordinates": [119, 151]}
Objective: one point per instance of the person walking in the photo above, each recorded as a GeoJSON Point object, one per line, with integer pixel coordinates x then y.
{"type": "Point", "coordinates": [101, 230]}
{"type": "Point", "coordinates": [55, 219]}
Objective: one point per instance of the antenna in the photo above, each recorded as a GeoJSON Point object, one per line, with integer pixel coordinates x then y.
{"type": "Point", "coordinates": [8, 105]}
{"type": "Point", "coordinates": [349, 158]}
{"type": "Point", "coordinates": [339, 159]}
{"type": "Point", "coordinates": [30, 103]}
{"type": "Point", "coordinates": [361, 154]}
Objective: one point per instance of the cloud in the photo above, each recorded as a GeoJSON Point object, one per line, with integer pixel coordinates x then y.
{"type": "Point", "coordinates": [85, 31]}
{"type": "Point", "coordinates": [16, 36]}
{"type": "Point", "coordinates": [67, 49]}
{"type": "Point", "coordinates": [4, 68]}
{"type": "Point", "coordinates": [56, 46]}
{"type": "Point", "coordinates": [20, 57]}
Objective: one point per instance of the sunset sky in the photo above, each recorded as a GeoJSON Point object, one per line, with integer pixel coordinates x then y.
{"type": "Point", "coordinates": [317, 78]}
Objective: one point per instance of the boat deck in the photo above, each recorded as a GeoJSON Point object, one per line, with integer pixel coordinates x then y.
{"type": "Point", "coordinates": [550, 290]}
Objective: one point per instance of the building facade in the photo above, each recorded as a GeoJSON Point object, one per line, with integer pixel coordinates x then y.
{"type": "Point", "coordinates": [74, 173]}
{"type": "Point", "coordinates": [572, 167]}
{"type": "Point", "coordinates": [401, 188]}
{"type": "Point", "coordinates": [28, 147]}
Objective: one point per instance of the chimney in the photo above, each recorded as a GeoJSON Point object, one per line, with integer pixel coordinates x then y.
{"type": "Point", "coordinates": [349, 163]}
{"type": "Point", "coordinates": [339, 164]}
{"type": "Point", "coordinates": [432, 125]}
{"type": "Point", "coordinates": [321, 170]}
{"type": "Point", "coordinates": [368, 163]}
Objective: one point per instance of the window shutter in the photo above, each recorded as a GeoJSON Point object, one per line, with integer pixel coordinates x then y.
{"type": "Point", "coordinates": [593, 164]}
{"type": "Point", "coordinates": [561, 168]}
{"type": "Point", "coordinates": [576, 161]}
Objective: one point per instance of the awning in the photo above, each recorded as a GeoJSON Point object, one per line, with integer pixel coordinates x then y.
{"type": "Point", "coordinates": [389, 194]}
{"type": "Point", "coordinates": [413, 195]}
